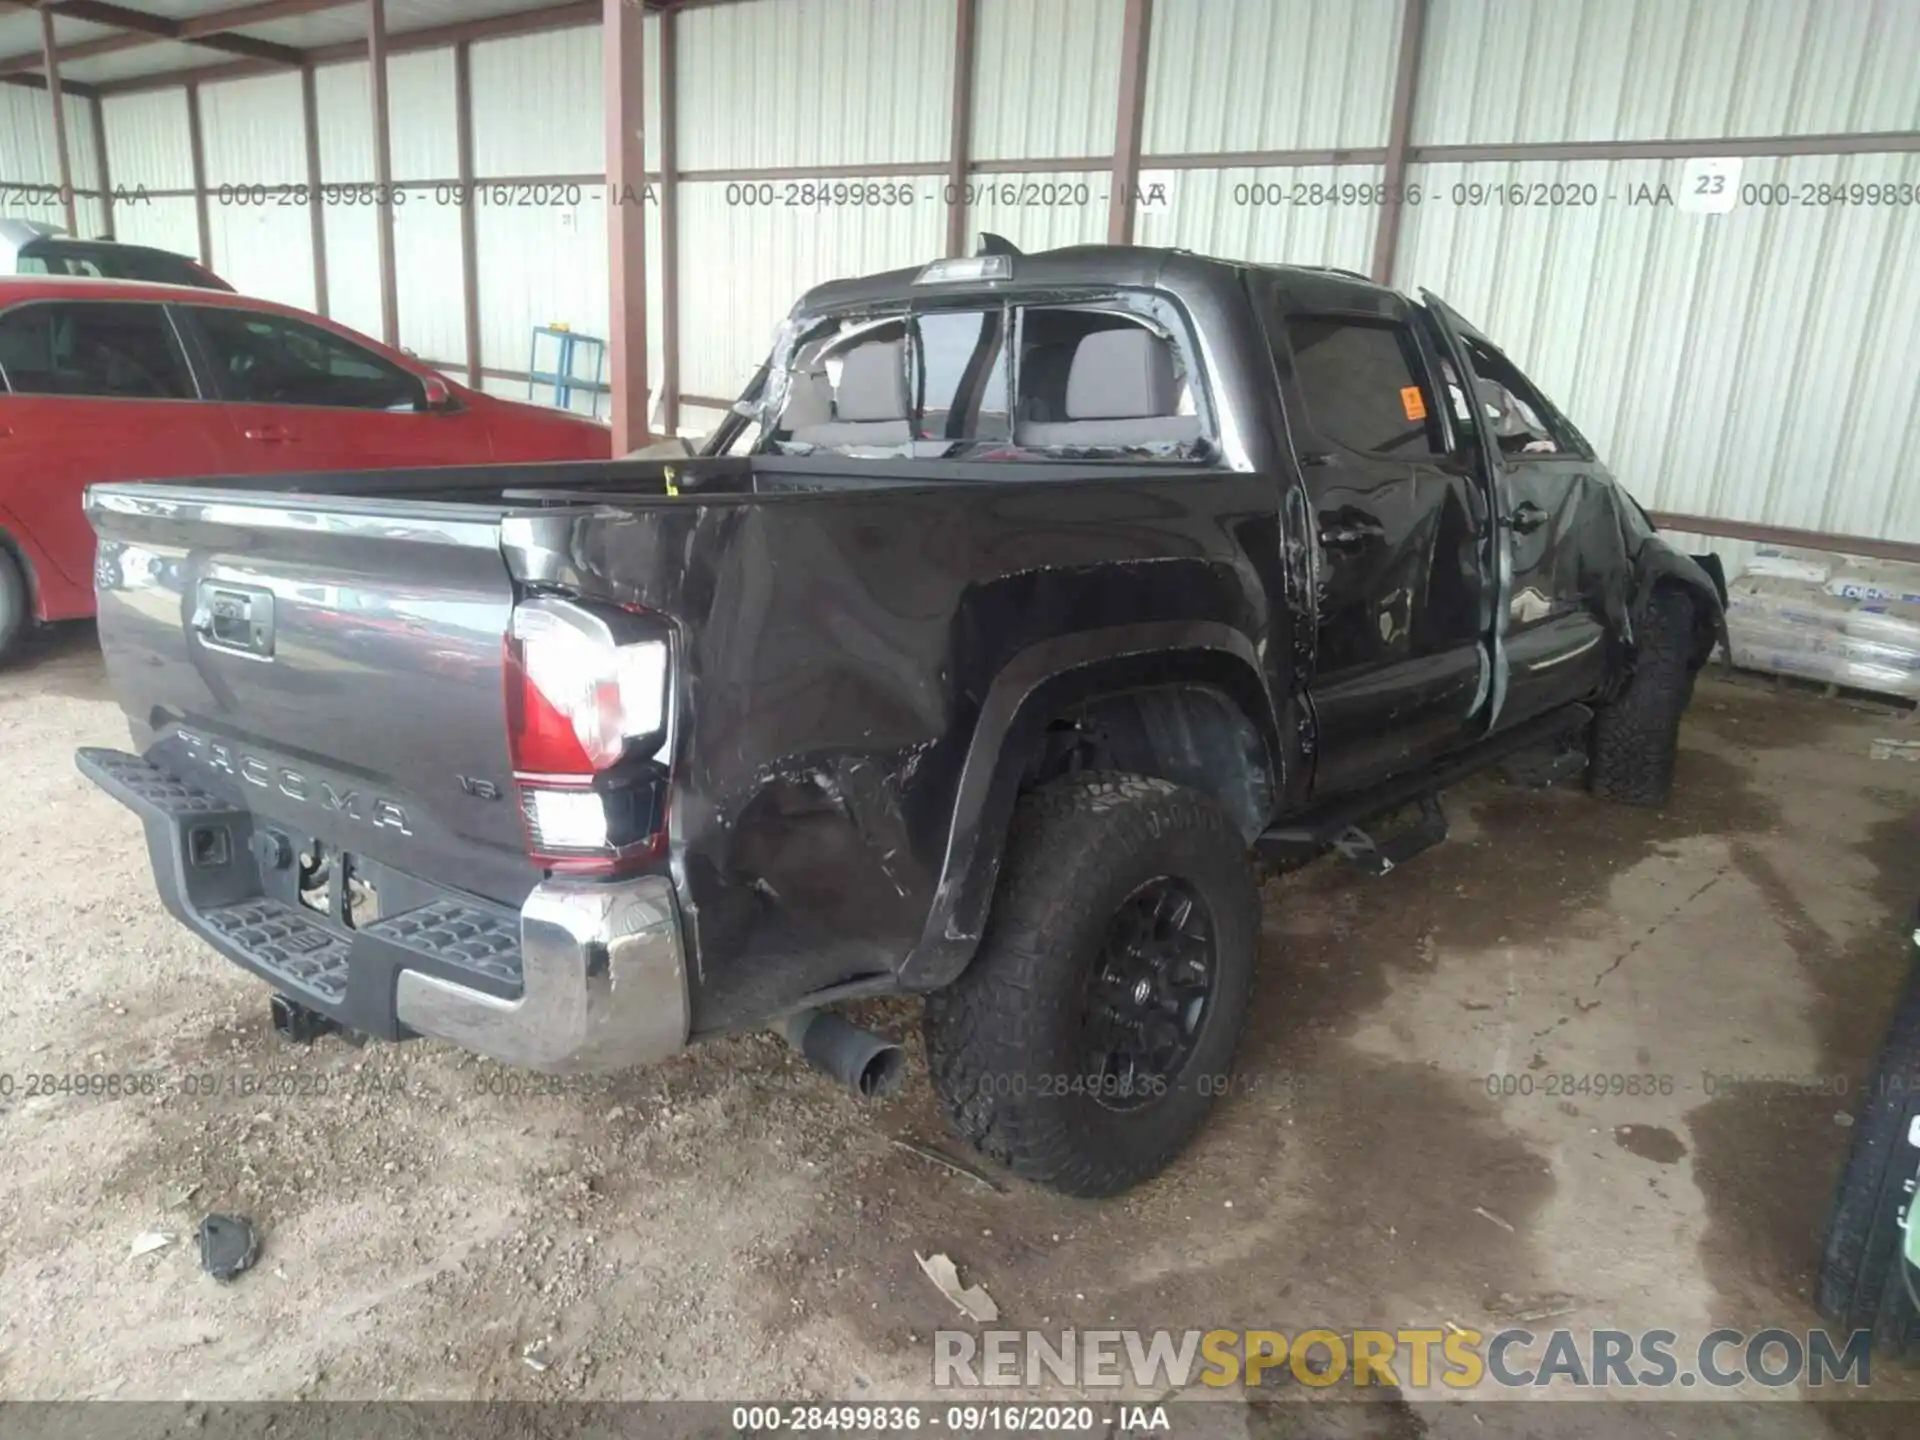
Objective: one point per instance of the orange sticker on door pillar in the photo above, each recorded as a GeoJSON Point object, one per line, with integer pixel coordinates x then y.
{"type": "Point", "coordinates": [1413, 402]}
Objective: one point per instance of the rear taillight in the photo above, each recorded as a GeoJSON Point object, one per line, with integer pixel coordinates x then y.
{"type": "Point", "coordinates": [587, 723]}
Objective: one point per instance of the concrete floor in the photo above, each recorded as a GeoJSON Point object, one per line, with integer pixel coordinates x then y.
{"type": "Point", "coordinates": [728, 1225]}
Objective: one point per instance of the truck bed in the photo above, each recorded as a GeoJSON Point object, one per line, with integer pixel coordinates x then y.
{"type": "Point", "coordinates": [847, 635]}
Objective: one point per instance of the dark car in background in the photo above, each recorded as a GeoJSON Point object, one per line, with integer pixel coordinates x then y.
{"type": "Point", "coordinates": [31, 247]}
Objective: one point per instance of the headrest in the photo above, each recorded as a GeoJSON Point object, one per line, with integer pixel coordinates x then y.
{"type": "Point", "coordinates": [1124, 374]}
{"type": "Point", "coordinates": [873, 382]}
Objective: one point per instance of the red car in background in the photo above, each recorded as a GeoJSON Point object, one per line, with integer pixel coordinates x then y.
{"type": "Point", "coordinates": [123, 380]}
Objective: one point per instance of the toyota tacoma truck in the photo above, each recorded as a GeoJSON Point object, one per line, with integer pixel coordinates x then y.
{"type": "Point", "coordinates": [1022, 604]}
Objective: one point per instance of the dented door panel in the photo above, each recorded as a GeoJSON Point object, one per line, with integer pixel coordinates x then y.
{"type": "Point", "coordinates": [1401, 587]}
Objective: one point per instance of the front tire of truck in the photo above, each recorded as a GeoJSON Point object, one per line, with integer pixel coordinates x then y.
{"type": "Point", "coordinates": [15, 610]}
{"type": "Point", "coordinates": [1085, 1044]}
{"type": "Point", "coordinates": [1636, 735]}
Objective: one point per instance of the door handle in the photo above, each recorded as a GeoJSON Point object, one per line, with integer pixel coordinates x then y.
{"type": "Point", "coordinates": [270, 434]}
{"type": "Point", "coordinates": [1526, 518]}
{"type": "Point", "coordinates": [1350, 534]}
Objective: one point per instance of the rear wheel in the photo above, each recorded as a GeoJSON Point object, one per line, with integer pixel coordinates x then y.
{"type": "Point", "coordinates": [1636, 735]}
{"type": "Point", "coordinates": [1085, 1043]}
{"type": "Point", "coordinates": [14, 611]}
{"type": "Point", "coordinates": [1865, 1280]}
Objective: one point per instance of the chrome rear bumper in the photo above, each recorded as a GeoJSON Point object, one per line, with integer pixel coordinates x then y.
{"type": "Point", "coordinates": [586, 977]}
{"type": "Point", "coordinates": [604, 977]}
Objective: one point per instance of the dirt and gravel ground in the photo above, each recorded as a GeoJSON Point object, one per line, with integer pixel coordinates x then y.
{"type": "Point", "coordinates": [729, 1225]}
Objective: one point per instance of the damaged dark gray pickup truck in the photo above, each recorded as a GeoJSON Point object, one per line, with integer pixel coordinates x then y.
{"type": "Point", "coordinates": [1021, 603]}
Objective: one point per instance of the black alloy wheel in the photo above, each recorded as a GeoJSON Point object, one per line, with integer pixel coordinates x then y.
{"type": "Point", "coordinates": [1149, 993]}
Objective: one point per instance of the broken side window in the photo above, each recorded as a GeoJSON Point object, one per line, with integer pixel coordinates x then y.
{"type": "Point", "coordinates": [1104, 381]}
{"type": "Point", "coordinates": [961, 390]}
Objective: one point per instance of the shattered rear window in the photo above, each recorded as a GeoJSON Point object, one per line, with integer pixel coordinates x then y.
{"type": "Point", "coordinates": [1105, 379]}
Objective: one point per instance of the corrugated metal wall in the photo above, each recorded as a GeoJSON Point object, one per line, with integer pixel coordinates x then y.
{"type": "Point", "coordinates": [262, 238]}
{"type": "Point", "coordinates": [1046, 78]}
{"type": "Point", "coordinates": [753, 259]}
{"type": "Point", "coordinates": [1040, 210]}
{"type": "Point", "coordinates": [1537, 70]}
{"type": "Point", "coordinates": [29, 159]}
{"type": "Point", "coordinates": [147, 152]}
{"type": "Point", "coordinates": [1227, 75]}
{"type": "Point", "coordinates": [1753, 365]}
{"type": "Point", "coordinates": [428, 271]}
{"type": "Point", "coordinates": [542, 242]}
{"type": "Point", "coordinates": [1300, 215]}
{"type": "Point", "coordinates": [814, 82]}
{"type": "Point", "coordinates": [344, 108]}
{"type": "Point", "coordinates": [147, 141]}
{"type": "Point", "coordinates": [765, 87]}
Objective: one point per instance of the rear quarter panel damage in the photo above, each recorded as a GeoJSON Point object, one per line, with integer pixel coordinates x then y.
{"type": "Point", "coordinates": [839, 803]}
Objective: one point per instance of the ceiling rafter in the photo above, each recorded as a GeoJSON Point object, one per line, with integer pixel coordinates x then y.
{"type": "Point", "coordinates": [39, 82]}
{"type": "Point", "coordinates": [400, 42]}
{"type": "Point", "coordinates": [138, 28]}
{"type": "Point", "coordinates": [259, 57]}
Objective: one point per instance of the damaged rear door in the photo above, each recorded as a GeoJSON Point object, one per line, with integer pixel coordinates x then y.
{"type": "Point", "coordinates": [1401, 587]}
{"type": "Point", "coordinates": [1560, 561]}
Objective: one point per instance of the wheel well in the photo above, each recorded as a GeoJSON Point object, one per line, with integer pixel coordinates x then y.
{"type": "Point", "coordinates": [1706, 617]}
{"type": "Point", "coordinates": [11, 550]}
{"type": "Point", "coordinates": [1192, 735]}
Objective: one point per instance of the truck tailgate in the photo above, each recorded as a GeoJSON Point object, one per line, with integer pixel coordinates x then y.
{"type": "Point", "coordinates": [332, 664]}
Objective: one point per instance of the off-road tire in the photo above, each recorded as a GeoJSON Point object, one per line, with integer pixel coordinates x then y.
{"type": "Point", "coordinates": [1863, 1273]}
{"type": "Point", "coordinates": [1636, 735]}
{"type": "Point", "coordinates": [15, 612]}
{"type": "Point", "coordinates": [1003, 1041]}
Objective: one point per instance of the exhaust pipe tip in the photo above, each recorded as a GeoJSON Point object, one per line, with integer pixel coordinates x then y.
{"type": "Point", "coordinates": [869, 1064]}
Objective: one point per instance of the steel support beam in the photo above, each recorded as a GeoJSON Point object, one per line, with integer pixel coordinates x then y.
{"type": "Point", "coordinates": [100, 164]}
{"type": "Point", "coordinates": [51, 52]}
{"type": "Point", "coordinates": [98, 12]}
{"type": "Point", "coordinates": [39, 82]}
{"type": "Point", "coordinates": [960, 125]}
{"type": "Point", "coordinates": [1126, 139]}
{"type": "Point", "coordinates": [670, 221]}
{"type": "Point", "coordinates": [1386, 230]}
{"type": "Point", "coordinates": [469, 204]}
{"type": "Point", "coordinates": [316, 212]}
{"type": "Point", "coordinates": [1905, 551]}
{"type": "Point", "coordinates": [197, 152]}
{"type": "Point", "coordinates": [621, 41]}
{"type": "Point", "coordinates": [382, 170]}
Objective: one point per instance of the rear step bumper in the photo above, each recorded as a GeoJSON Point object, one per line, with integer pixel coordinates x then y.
{"type": "Point", "coordinates": [586, 977]}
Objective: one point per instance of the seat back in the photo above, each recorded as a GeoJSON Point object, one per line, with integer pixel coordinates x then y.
{"type": "Point", "coordinates": [869, 406]}
{"type": "Point", "coordinates": [1121, 392]}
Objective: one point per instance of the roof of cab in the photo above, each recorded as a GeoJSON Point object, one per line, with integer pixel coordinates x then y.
{"type": "Point", "coordinates": [1074, 267]}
